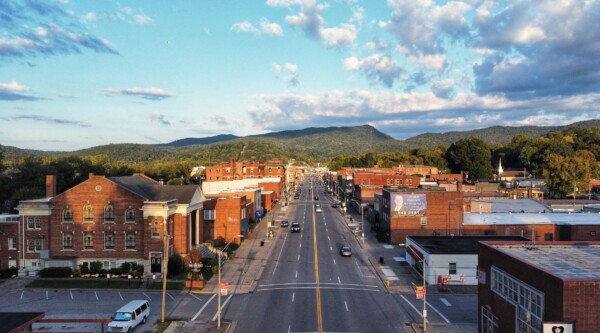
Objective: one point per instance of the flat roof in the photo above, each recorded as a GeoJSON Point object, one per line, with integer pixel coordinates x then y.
{"type": "Point", "coordinates": [565, 261]}
{"type": "Point", "coordinates": [484, 219]}
{"type": "Point", "coordinates": [457, 244]}
{"type": "Point", "coordinates": [509, 205]}
{"type": "Point", "coordinates": [18, 320]}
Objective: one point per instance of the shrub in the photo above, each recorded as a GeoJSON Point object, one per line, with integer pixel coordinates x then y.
{"type": "Point", "coordinates": [8, 273]}
{"type": "Point", "coordinates": [96, 267]}
{"type": "Point", "coordinates": [84, 269]}
{"type": "Point", "coordinates": [55, 272]}
{"type": "Point", "coordinates": [176, 265]}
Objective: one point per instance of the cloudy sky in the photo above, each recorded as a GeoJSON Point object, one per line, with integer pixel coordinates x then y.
{"type": "Point", "coordinates": [81, 73]}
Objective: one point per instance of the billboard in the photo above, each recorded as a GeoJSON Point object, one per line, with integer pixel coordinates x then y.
{"type": "Point", "coordinates": [408, 204]}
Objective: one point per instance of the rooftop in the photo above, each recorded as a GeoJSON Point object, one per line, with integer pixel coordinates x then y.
{"type": "Point", "coordinates": [566, 261]}
{"type": "Point", "coordinates": [457, 244]}
{"type": "Point", "coordinates": [531, 218]}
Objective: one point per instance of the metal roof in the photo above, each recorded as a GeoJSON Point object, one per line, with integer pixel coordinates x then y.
{"type": "Point", "coordinates": [566, 261]}
{"type": "Point", "coordinates": [484, 219]}
{"type": "Point", "coordinates": [457, 244]}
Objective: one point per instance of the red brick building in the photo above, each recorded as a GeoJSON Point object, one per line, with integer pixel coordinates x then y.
{"type": "Point", "coordinates": [421, 213]}
{"type": "Point", "coordinates": [9, 240]}
{"type": "Point", "coordinates": [226, 215]}
{"type": "Point", "coordinates": [109, 219]}
{"type": "Point", "coordinates": [533, 287]}
{"type": "Point", "coordinates": [234, 170]}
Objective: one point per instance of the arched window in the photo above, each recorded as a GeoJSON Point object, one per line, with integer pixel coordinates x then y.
{"type": "Point", "coordinates": [109, 213]}
{"type": "Point", "coordinates": [67, 215]}
{"type": "Point", "coordinates": [88, 213]}
{"type": "Point", "coordinates": [68, 241]}
{"type": "Point", "coordinates": [130, 241]}
{"type": "Point", "coordinates": [155, 225]}
{"type": "Point", "coordinates": [109, 241]}
{"type": "Point", "coordinates": [129, 215]}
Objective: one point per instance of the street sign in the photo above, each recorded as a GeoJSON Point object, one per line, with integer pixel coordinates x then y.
{"type": "Point", "coordinates": [420, 292]}
{"type": "Point", "coordinates": [224, 289]}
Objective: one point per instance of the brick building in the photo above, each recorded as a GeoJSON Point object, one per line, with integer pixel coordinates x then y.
{"type": "Point", "coordinates": [109, 219]}
{"type": "Point", "coordinates": [9, 239]}
{"type": "Point", "coordinates": [533, 287]}
{"type": "Point", "coordinates": [234, 170]}
{"type": "Point", "coordinates": [226, 215]}
{"type": "Point", "coordinates": [421, 213]}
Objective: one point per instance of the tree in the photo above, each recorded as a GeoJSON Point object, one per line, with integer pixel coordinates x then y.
{"type": "Point", "coordinates": [471, 155]}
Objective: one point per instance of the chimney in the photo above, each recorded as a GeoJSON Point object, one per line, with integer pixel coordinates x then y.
{"type": "Point", "coordinates": [50, 186]}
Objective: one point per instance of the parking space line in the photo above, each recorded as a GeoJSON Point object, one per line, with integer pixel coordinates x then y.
{"type": "Point", "coordinates": [71, 292]}
{"type": "Point", "coordinates": [147, 296]}
{"type": "Point", "coordinates": [202, 309]}
{"type": "Point", "coordinates": [436, 310]}
{"type": "Point", "coordinates": [334, 261]}
{"type": "Point", "coordinates": [95, 293]}
{"type": "Point", "coordinates": [173, 298]}
{"type": "Point", "coordinates": [46, 294]}
{"type": "Point", "coordinates": [120, 295]}
{"type": "Point", "coordinates": [412, 306]}
{"type": "Point", "coordinates": [22, 293]}
{"type": "Point", "coordinates": [222, 306]}
{"type": "Point", "coordinates": [196, 297]}
{"type": "Point", "coordinates": [346, 304]}
{"type": "Point", "coordinates": [293, 297]}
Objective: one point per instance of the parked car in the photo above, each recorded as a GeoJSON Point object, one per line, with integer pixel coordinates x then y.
{"type": "Point", "coordinates": [284, 224]}
{"type": "Point", "coordinates": [334, 206]}
{"type": "Point", "coordinates": [295, 227]}
{"type": "Point", "coordinates": [346, 251]}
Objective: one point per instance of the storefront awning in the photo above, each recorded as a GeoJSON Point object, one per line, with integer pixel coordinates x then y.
{"type": "Point", "coordinates": [414, 253]}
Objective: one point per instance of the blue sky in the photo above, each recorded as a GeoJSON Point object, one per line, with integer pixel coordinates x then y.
{"type": "Point", "coordinates": [80, 73]}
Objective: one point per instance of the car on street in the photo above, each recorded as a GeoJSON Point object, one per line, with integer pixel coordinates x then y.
{"type": "Point", "coordinates": [334, 205]}
{"type": "Point", "coordinates": [295, 227]}
{"type": "Point", "coordinates": [318, 209]}
{"type": "Point", "coordinates": [284, 224]}
{"type": "Point", "coordinates": [346, 251]}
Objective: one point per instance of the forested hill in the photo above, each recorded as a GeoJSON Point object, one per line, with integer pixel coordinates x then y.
{"type": "Point", "coordinates": [310, 144]}
{"type": "Point", "coordinates": [491, 135]}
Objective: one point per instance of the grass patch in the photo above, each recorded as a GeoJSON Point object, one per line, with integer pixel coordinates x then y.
{"type": "Point", "coordinates": [69, 283]}
{"type": "Point", "coordinates": [171, 285]}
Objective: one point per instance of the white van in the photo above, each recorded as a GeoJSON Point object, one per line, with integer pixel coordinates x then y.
{"type": "Point", "coordinates": [129, 316]}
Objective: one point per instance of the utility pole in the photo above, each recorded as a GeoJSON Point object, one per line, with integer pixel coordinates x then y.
{"type": "Point", "coordinates": [165, 267]}
{"type": "Point", "coordinates": [424, 298]}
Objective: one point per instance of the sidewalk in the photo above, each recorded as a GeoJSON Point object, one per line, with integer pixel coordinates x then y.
{"type": "Point", "coordinates": [245, 268]}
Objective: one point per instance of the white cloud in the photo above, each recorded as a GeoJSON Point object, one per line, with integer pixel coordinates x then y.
{"type": "Point", "coordinates": [266, 27]}
{"type": "Point", "coordinates": [145, 93]}
{"type": "Point", "coordinates": [443, 88]}
{"type": "Point", "coordinates": [283, 3]}
{"type": "Point", "coordinates": [287, 72]}
{"type": "Point", "coordinates": [13, 86]}
{"type": "Point", "coordinates": [159, 118]}
{"type": "Point", "coordinates": [436, 62]}
{"type": "Point", "coordinates": [270, 28]}
{"type": "Point", "coordinates": [378, 68]}
{"type": "Point", "coordinates": [310, 20]}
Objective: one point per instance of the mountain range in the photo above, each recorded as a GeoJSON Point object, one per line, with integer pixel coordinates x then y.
{"type": "Point", "coordinates": [319, 144]}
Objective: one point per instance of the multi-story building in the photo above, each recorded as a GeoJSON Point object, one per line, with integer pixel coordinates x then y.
{"type": "Point", "coordinates": [538, 287]}
{"type": "Point", "coordinates": [9, 240]}
{"type": "Point", "coordinates": [112, 220]}
{"type": "Point", "coordinates": [234, 170]}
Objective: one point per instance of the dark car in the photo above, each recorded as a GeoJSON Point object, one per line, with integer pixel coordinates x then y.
{"type": "Point", "coordinates": [334, 205]}
{"type": "Point", "coordinates": [316, 198]}
{"type": "Point", "coordinates": [295, 227]}
{"type": "Point", "coordinates": [346, 251]}
{"type": "Point", "coordinates": [284, 224]}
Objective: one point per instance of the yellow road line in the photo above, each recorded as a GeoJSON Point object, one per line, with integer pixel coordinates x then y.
{"type": "Point", "coordinates": [318, 290]}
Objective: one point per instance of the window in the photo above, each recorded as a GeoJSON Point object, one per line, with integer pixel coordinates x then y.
{"type": "Point", "coordinates": [68, 241]}
{"type": "Point", "coordinates": [88, 241]}
{"type": "Point", "coordinates": [12, 243]}
{"type": "Point", "coordinates": [452, 268]}
{"type": "Point", "coordinates": [129, 215]}
{"type": "Point", "coordinates": [209, 214]}
{"type": "Point", "coordinates": [390, 181]}
{"type": "Point", "coordinates": [489, 323]}
{"type": "Point", "coordinates": [109, 213]}
{"type": "Point", "coordinates": [34, 245]}
{"type": "Point", "coordinates": [34, 223]}
{"type": "Point", "coordinates": [109, 241]}
{"type": "Point", "coordinates": [593, 233]}
{"type": "Point", "coordinates": [88, 213]}
{"type": "Point", "coordinates": [398, 182]}
{"type": "Point", "coordinates": [528, 301]}
{"type": "Point", "coordinates": [155, 226]}
{"type": "Point", "coordinates": [67, 215]}
{"type": "Point", "coordinates": [130, 241]}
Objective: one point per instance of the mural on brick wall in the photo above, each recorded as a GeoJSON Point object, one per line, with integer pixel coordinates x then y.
{"type": "Point", "coordinates": [408, 205]}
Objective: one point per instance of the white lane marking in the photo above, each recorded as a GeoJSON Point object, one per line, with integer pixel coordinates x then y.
{"type": "Point", "coordinates": [196, 297]}
{"type": "Point", "coordinates": [289, 328]}
{"type": "Point", "coordinates": [222, 306]}
{"type": "Point", "coordinates": [328, 238]}
{"type": "Point", "coordinates": [300, 245]}
{"type": "Point", "coordinates": [120, 295]}
{"type": "Point", "coordinates": [298, 257]}
{"type": "Point", "coordinates": [95, 293]}
{"type": "Point", "coordinates": [293, 297]}
{"type": "Point", "coordinates": [445, 301]}
{"type": "Point", "coordinates": [47, 294]}
{"type": "Point", "coordinates": [389, 273]}
{"type": "Point", "coordinates": [173, 298]}
{"type": "Point", "coordinates": [346, 304]}
{"type": "Point", "coordinates": [22, 293]}
{"type": "Point", "coordinates": [331, 249]}
{"type": "Point", "coordinates": [147, 296]}
{"type": "Point", "coordinates": [296, 274]}
{"type": "Point", "coordinates": [339, 281]}
{"type": "Point", "coordinates": [71, 292]}
{"type": "Point", "coordinates": [279, 256]}
{"type": "Point", "coordinates": [203, 307]}
{"type": "Point", "coordinates": [388, 246]}
{"type": "Point", "coordinates": [334, 262]}
{"type": "Point", "coordinates": [412, 306]}
{"type": "Point", "coordinates": [436, 310]}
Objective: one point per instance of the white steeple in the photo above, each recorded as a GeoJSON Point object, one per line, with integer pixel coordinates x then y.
{"type": "Point", "coordinates": [500, 170]}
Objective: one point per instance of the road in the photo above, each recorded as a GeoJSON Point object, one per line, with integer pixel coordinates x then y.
{"type": "Point", "coordinates": [309, 287]}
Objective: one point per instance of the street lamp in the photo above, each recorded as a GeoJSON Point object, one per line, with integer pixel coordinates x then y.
{"type": "Point", "coordinates": [219, 284]}
{"type": "Point", "coordinates": [362, 219]}
{"type": "Point", "coordinates": [165, 267]}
